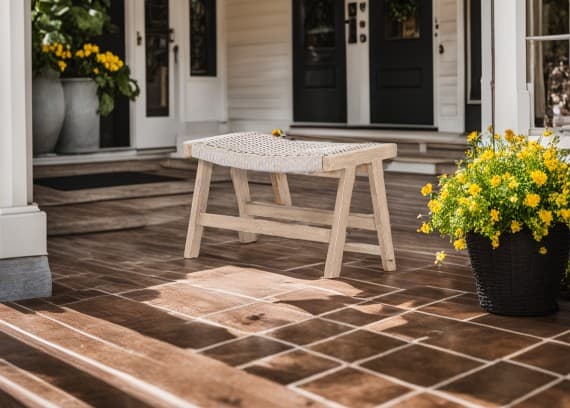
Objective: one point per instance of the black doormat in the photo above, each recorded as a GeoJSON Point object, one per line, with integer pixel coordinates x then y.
{"type": "Point", "coordinates": [102, 180]}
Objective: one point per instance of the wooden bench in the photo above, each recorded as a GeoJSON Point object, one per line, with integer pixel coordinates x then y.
{"type": "Point", "coordinates": [279, 156]}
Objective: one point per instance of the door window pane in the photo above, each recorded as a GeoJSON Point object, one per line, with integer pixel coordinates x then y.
{"type": "Point", "coordinates": [157, 57]}
{"type": "Point", "coordinates": [402, 20]}
{"type": "Point", "coordinates": [319, 25]}
{"type": "Point", "coordinates": [203, 47]}
{"type": "Point", "coordinates": [548, 68]}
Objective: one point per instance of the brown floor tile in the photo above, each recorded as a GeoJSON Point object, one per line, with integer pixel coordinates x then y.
{"type": "Point", "coordinates": [258, 317]}
{"type": "Point", "coordinates": [411, 298]}
{"type": "Point", "coordinates": [357, 345]}
{"type": "Point", "coordinates": [480, 341]}
{"type": "Point", "coordinates": [549, 356]}
{"type": "Point", "coordinates": [243, 281]}
{"type": "Point", "coordinates": [497, 385]}
{"type": "Point", "coordinates": [314, 301]}
{"type": "Point", "coordinates": [547, 326]}
{"type": "Point", "coordinates": [427, 401]}
{"type": "Point", "coordinates": [245, 350]}
{"type": "Point", "coordinates": [565, 338]}
{"type": "Point", "coordinates": [557, 396]}
{"type": "Point", "coordinates": [413, 326]}
{"type": "Point", "coordinates": [309, 331]}
{"type": "Point", "coordinates": [186, 299]}
{"type": "Point", "coordinates": [355, 388]}
{"type": "Point", "coordinates": [421, 365]}
{"type": "Point", "coordinates": [461, 307]}
{"type": "Point", "coordinates": [366, 313]}
{"type": "Point", "coordinates": [154, 322]}
{"type": "Point", "coordinates": [352, 288]}
{"type": "Point", "coordinates": [291, 367]}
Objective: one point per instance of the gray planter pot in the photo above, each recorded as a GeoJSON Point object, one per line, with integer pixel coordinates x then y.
{"type": "Point", "coordinates": [48, 111]}
{"type": "Point", "coordinates": [81, 127]}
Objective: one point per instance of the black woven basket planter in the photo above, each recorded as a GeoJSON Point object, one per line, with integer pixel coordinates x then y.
{"type": "Point", "coordinates": [514, 279]}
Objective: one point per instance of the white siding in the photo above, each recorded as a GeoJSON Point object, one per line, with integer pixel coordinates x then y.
{"type": "Point", "coordinates": [450, 95]}
{"type": "Point", "coordinates": [259, 63]}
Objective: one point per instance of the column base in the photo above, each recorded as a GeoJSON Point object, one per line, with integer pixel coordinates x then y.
{"type": "Point", "coordinates": [24, 278]}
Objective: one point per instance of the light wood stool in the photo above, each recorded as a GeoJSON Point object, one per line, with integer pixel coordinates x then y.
{"type": "Point", "coordinates": [278, 156]}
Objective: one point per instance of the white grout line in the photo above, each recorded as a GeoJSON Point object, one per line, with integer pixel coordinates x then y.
{"type": "Point", "coordinates": [535, 392]}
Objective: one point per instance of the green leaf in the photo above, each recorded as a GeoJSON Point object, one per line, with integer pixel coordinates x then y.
{"type": "Point", "coordinates": [106, 104]}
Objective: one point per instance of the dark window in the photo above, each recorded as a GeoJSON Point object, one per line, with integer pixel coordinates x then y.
{"type": "Point", "coordinates": [157, 34]}
{"type": "Point", "coordinates": [203, 38]}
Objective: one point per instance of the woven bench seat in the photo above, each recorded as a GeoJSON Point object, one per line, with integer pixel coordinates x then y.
{"type": "Point", "coordinates": [266, 153]}
{"type": "Point", "coordinates": [253, 151]}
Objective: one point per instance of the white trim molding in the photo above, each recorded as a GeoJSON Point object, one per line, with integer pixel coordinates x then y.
{"type": "Point", "coordinates": [22, 224]}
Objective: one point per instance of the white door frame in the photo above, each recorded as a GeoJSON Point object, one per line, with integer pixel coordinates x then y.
{"type": "Point", "coordinates": [151, 132]}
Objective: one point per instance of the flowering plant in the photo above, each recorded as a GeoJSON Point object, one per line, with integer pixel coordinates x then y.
{"type": "Point", "coordinates": [505, 184]}
{"type": "Point", "coordinates": [108, 71]}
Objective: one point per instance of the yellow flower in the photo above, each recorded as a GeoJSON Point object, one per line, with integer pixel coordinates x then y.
{"type": "Point", "coordinates": [62, 65]}
{"type": "Point", "coordinates": [434, 206]}
{"type": "Point", "coordinates": [277, 132]}
{"type": "Point", "coordinates": [543, 251]}
{"type": "Point", "coordinates": [472, 136]}
{"type": "Point", "coordinates": [547, 133]}
{"type": "Point", "coordinates": [439, 257]}
{"type": "Point", "coordinates": [45, 48]}
{"type": "Point", "coordinates": [513, 184]}
{"type": "Point", "coordinates": [474, 189]}
{"type": "Point", "coordinates": [425, 228]}
{"type": "Point", "coordinates": [538, 177]}
{"type": "Point", "coordinates": [532, 200]}
{"type": "Point", "coordinates": [564, 214]}
{"type": "Point", "coordinates": [509, 135]}
{"type": "Point", "coordinates": [495, 242]}
{"type": "Point", "coordinates": [515, 226]}
{"type": "Point", "coordinates": [444, 194]}
{"type": "Point", "coordinates": [96, 71]}
{"type": "Point", "coordinates": [460, 244]}
{"type": "Point", "coordinates": [458, 232]}
{"type": "Point", "coordinates": [487, 154]}
{"type": "Point", "coordinates": [495, 181]}
{"type": "Point", "coordinates": [513, 199]}
{"type": "Point", "coordinates": [427, 189]}
{"type": "Point", "coordinates": [494, 215]}
{"type": "Point", "coordinates": [460, 176]}
{"type": "Point", "coordinates": [545, 216]}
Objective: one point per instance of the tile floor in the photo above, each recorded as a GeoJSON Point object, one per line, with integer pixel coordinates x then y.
{"type": "Point", "coordinates": [131, 323]}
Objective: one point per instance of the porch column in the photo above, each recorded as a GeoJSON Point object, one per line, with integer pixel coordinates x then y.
{"type": "Point", "coordinates": [24, 270]}
{"type": "Point", "coordinates": [512, 99]}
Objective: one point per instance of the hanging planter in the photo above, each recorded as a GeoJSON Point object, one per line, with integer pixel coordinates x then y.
{"type": "Point", "coordinates": [508, 203]}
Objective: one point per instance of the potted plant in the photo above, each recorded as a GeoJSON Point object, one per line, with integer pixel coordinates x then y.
{"type": "Point", "coordinates": [508, 203]}
{"type": "Point", "coordinates": [48, 105]}
{"type": "Point", "coordinates": [93, 79]}
{"type": "Point", "coordinates": [59, 29]}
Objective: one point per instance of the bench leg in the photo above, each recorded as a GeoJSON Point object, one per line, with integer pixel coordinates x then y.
{"type": "Point", "coordinates": [281, 189]}
{"type": "Point", "coordinates": [340, 222]}
{"type": "Point", "coordinates": [381, 214]}
{"type": "Point", "coordinates": [199, 204]}
{"type": "Point", "coordinates": [241, 188]}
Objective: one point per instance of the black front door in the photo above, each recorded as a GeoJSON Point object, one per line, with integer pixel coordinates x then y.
{"type": "Point", "coordinates": [319, 61]}
{"type": "Point", "coordinates": [401, 62]}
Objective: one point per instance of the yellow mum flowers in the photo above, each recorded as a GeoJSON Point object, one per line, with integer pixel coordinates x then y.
{"type": "Point", "coordinates": [515, 186]}
{"type": "Point", "coordinates": [532, 200]}
{"type": "Point", "coordinates": [538, 177]}
{"type": "Point", "coordinates": [427, 189]}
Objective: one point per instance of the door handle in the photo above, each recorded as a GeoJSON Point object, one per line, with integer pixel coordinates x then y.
{"type": "Point", "coordinates": [171, 35]}
{"type": "Point", "coordinates": [139, 39]}
{"type": "Point", "coordinates": [175, 50]}
{"type": "Point", "coordinates": [441, 49]}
